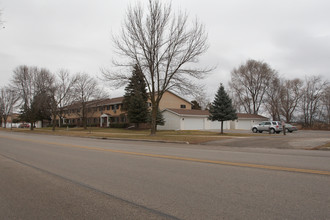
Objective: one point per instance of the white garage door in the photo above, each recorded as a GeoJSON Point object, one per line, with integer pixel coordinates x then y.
{"type": "Point", "coordinates": [193, 123]}
{"type": "Point", "coordinates": [244, 124]}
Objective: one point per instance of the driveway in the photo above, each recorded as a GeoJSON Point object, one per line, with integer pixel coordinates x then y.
{"type": "Point", "coordinates": [296, 140]}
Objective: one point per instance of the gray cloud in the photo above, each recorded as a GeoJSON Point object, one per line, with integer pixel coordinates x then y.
{"type": "Point", "coordinates": [292, 36]}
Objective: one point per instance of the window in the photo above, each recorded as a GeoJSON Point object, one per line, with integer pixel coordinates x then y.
{"type": "Point", "coordinates": [108, 107]}
{"type": "Point", "coordinates": [182, 106]}
{"type": "Point", "coordinates": [267, 123]}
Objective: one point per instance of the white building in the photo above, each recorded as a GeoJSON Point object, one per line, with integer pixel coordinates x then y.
{"type": "Point", "coordinates": [187, 119]}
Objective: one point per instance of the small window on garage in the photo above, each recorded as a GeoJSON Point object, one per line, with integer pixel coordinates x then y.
{"type": "Point", "coordinates": [182, 106]}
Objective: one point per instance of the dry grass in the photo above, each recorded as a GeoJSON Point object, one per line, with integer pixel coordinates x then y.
{"type": "Point", "coordinates": [192, 137]}
{"type": "Point", "coordinates": [323, 147]}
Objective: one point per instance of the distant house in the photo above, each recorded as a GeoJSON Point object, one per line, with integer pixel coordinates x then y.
{"type": "Point", "coordinates": [187, 119]}
{"type": "Point", "coordinates": [11, 121]}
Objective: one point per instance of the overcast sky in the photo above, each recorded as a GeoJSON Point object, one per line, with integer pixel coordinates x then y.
{"type": "Point", "coordinates": [292, 36]}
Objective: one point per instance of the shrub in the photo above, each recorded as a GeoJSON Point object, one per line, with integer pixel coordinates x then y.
{"type": "Point", "coordinates": [119, 125]}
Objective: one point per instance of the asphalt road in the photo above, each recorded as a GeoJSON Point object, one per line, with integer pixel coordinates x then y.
{"type": "Point", "coordinates": [52, 177]}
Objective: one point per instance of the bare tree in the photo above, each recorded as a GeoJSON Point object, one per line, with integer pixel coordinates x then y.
{"type": "Point", "coordinates": [8, 98]}
{"type": "Point", "coordinates": [163, 45]}
{"type": "Point", "coordinates": [32, 85]}
{"type": "Point", "coordinates": [326, 104]}
{"type": "Point", "coordinates": [249, 82]}
{"type": "Point", "coordinates": [291, 92]}
{"type": "Point", "coordinates": [201, 98]}
{"type": "Point", "coordinates": [85, 90]}
{"type": "Point", "coordinates": [1, 112]}
{"type": "Point", "coordinates": [61, 94]}
{"type": "Point", "coordinates": [311, 98]}
{"type": "Point", "coordinates": [23, 82]}
{"type": "Point", "coordinates": [273, 97]}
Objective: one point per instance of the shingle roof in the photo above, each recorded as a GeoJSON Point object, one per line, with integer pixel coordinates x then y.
{"type": "Point", "coordinates": [250, 116]}
{"type": "Point", "coordinates": [193, 112]}
{"type": "Point", "coordinates": [117, 100]}
{"type": "Point", "coordinates": [95, 103]}
{"type": "Point", "coordinates": [189, 112]}
{"type": "Point", "coordinates": [107, 101]}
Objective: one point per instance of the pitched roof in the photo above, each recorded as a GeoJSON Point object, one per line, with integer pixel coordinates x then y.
{"type": "Point", "coordinates": [117, 100]}
{"type": "Point", "coordinates": [250, 116]}
{"type": "Point", "coordinates": [204, 113]}
{"type": "Point", "coordinates": [98, 102]}
{"type": "Point", "coordinates": [190, 112]}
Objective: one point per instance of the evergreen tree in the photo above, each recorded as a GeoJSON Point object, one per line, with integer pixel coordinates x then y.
{"type": "Point", "coordinates": [37, 111]}
{"type": "Point", "coordinates": [221, 108]}
{"type": "Point", "coordinates": [135, 99]}
{"type": "Point", "coordinates": [159, 119]}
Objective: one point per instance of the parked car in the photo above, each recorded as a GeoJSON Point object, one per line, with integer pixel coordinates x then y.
{"type": "Point", "coordinates": [24, 125]}
{"type": "Point", "coordinates": [269, 126]}
{"type": "Point", "coordinates": [290, 128]}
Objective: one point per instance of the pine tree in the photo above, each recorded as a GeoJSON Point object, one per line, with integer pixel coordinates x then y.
{"type": "Point", "coordinates": [159, 119]}
{"type": "Point", "coordinates": [221, 108]}
{"type": "Point", "coordinates": [135, 99]}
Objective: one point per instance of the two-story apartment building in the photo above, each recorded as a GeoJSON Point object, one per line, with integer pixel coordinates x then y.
{"type": "Point", "coordinates": [110, 111]}
{"type": "Point", "coordinates": [176, 110]}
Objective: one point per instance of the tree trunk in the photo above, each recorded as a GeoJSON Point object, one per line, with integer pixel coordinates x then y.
{"type": "Point", "coordinates": [84, 116]}
{"type": "Point", "coordinates": [54, 122]}
{"type": "Point", "coordinates": [84, 123]}
{"type": "Point", "coordinates": [31, 126]}
{"type": "Point", "coordinates": [221, 127]}
{"type": "Point", "coordinates": [153, 120]}
{"type": "Point", "coordinates": [5, 122]}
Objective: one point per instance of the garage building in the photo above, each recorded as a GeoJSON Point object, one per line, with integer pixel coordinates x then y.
{"type": "Point", "coordinates": [187, 119]}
